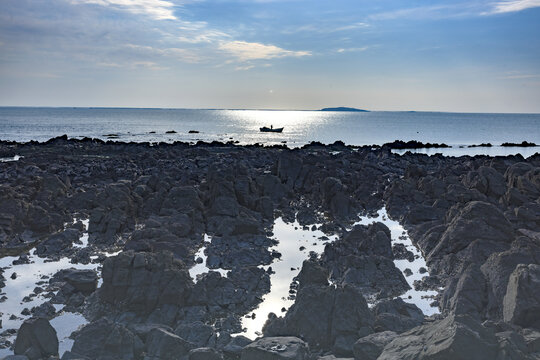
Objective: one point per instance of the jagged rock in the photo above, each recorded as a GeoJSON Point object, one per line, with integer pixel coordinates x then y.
{"type": "Point", "coordinates": [142, 281]}
{"type": "Point", "coordinates": [163, 345]}
{"type": "Point", "coordinates": [466, 294]}
{"type": "Point", "coordinates": [104, 339]}
{"type": "Point", "coordinates": [521, 305]}
{"type": "Point", "coordinates": [234, 348]}
{"type": "Point", "coordinates": [36, 339]}
{"type": "Point", "coordinates": [276, 348]}
{"type": "Point", "coordinates": [396, 315]}
{"type": "Point", "coordinates": [205, 354]}
{"type": "Point", "coordinates": [455, 337]}
{"type": "Point", "coordinates": [370, 347]}
{"type": "Point", "coordinates": [84, 281]}
{"type": "Point", "coordinates": [326, 317]}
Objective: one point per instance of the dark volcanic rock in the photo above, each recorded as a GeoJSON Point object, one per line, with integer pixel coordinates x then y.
{"type": "Point", "coordinates": [370, 347]}
{"type": "Point", "coordinates": [522, 299]}
{"type": "Point", "coordinates": [276, 348]}
{"type": "Point", "coordinates": [84, 281]}
{"type": "Point", "coordinates": [396, 315]}
{"type": "Point", "coordinates": [141, 282]}
{"type": "Point", "coordinates": [326, 317]}
{"type": "Point", "coordinates": [455, 337]}
{"type": "Point", "coordinates": [104, 339]}
{"type": "Point", "coordinates": [161, 345]}
{"type": "Point", "coordinates": [36, 339]}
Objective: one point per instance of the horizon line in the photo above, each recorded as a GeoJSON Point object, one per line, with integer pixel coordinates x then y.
{"type": "Point", "coordinates": [258, 109]}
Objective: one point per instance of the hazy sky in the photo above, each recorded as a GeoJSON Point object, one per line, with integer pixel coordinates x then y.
{"type": "Point", "coordinates": [476, 55]}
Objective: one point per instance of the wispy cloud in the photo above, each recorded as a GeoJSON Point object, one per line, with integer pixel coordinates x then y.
{"type": "Point", "coordinates": [247, 51]}
{"type": "Point", "coordinates": [513, 6]}
{"type": "Point", "coordinates": [156, 9]}
{"type": "Point", "coordinates": [521, 76]}
{"type": "Point", "coordinates": [184, 55]}
{"type": "Point", "coordinates": [356, 49]}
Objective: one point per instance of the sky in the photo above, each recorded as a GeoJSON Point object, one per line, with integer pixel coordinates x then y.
{"type": "Point", "coordinates": [429, 55]}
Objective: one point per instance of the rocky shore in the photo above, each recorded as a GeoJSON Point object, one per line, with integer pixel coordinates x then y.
{"type": "Point", "coordinates": [148, 207]}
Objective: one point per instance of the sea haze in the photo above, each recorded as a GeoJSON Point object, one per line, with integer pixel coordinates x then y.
{"type": "Point", "coordinates": [301, 127]}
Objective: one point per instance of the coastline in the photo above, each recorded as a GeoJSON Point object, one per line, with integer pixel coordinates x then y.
{"type": "Point", "coordinates": [155, 204]}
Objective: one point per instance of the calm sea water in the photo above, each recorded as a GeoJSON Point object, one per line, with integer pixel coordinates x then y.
{"type": "Point", "coordinates": [301, 127]}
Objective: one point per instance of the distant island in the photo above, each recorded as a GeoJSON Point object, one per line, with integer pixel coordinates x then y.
{"type": "Point", "coordinates": [342, 108]}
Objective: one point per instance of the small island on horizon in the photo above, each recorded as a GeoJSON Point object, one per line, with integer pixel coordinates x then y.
{"type": "Point", "coordinates": [343, 108]}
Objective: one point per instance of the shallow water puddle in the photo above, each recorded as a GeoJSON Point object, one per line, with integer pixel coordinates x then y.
{"type": "Point", "coordinates": [27, 278]}
{"type": "Point", "coordinates": [295, 244]}
{"type": "Point", "coordinates": [8, 159]}
{"type": "Point", "coordinates": [422, 299]}
{"type": "Point", "coordinates": [200, 267]}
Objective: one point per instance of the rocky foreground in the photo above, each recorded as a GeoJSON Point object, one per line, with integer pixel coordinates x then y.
{"type": "Point", "coordinates": [475, 220]}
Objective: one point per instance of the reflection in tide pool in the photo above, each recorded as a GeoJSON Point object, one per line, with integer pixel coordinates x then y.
{"type": "Point", "coordinates": [28, 277]}
{"type": "Point", "coordinates": [200, 257]}
{"type": "Point", "coordinates": [295, 244]}
{"type": "Point", "coordinates": [422, 299]}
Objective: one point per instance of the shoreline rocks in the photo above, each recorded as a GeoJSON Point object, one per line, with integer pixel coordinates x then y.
{"type": "Point", "coordinates": [475, 220]}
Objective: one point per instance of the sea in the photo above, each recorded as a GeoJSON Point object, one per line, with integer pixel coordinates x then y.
{"type": "Point", "coordinates": [459, 130]}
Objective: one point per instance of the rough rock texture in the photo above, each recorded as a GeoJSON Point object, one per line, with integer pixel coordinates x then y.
{"type": "Point", "coordinates": [36, 339]}
{"type": "Point", "coordinates": [104, 339]}
{"type": "Point", "coordinates": [276, 348]}
{"type": "Point", "coordinates": [370, 347]}
{"type": "Point", "coordinates": [475, 219]}
{"type": "Point", "coordinates": [522, 299]}
{"type": "Point", "coordinates": [455, 337]}
{"type": "Point", "coordinates": [325, 316]}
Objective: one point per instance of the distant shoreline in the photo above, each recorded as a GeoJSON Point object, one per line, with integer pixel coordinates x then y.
{"type": "Point", "coordinates": [262, 109]}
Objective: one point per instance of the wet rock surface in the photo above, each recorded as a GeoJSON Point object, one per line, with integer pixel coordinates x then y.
{"type": "Point", "coordinates": [476, 221]}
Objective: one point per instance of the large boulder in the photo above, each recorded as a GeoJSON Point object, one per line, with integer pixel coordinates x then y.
{"type": "Point", "coordinates": [396, 315]}
{"type": "Point", "coordinates": [276, 348]}
{"type": "Point", "coordinates": [467, 293]}
{"type": "Point", "coordinates": [84, 281]}
{"type": "Point", "coordinates": [521, 305]}
{"type": "Point", "coordinates": [370, 347]}
{"type": "Point", "coordinates": [141, 282]}
{"type": "Point", "coordinates": [36, 339]}
{"type": "Point", "coordinates": [163, 345]}
{"type": "Point", "coordinates": [327, 317]}
{"type": "Point", "coordinates": [455, 337]}
{"type": "Point", "coordinates": [476, 221]}
{"type": "Point", "coordinates": [104, 339]}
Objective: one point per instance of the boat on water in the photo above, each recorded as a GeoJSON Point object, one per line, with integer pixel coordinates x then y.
{"type": "Point", "coordinates": [271, 129]}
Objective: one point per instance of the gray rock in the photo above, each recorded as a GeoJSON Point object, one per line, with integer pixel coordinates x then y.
{"type": "Point", "coordinates": [141, 282]}
{"type": "Point", "coordinates": [521, 304]}
{"type": "Point", "coordinates": [326, 317]}
{"type": "Point", "coordinates": [234, 348]}
{"type": "Point", "coordinates": [476, 221]}
{"type": "Point", "coordinates": [105, 339]}
{"type": "Point", "coordinates": [205, 354]}
{"type": "Point", "coordinates": [36, 338]}
{"type": "Point", "coordinates": [455, 337]}
{"type": "Point", "coordinates": [396, 315]}
{"type": "Point", "coordinates": [371, 346]}
{"type": "Point", "coordinates": [276, 348]}
{"type": "Point", "coordinates": [163, 345]}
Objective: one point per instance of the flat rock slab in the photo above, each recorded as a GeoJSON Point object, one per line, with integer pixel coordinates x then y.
{"type": "Point", "coordinates": [276, 348]}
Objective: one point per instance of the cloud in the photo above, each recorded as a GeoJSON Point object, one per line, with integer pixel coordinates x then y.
{"type": "Point", "coordinates": [325, 28]}
{"type": "Point", "coordinates": [156, 9]}
{"type": "Point", "coordinates": [184, 55]}
{"type": "Point", "coordinates": [521, 76]}
{"type": "Point", "coordinates": [344, 50]}
{"type": "Point", "coordinates": [247, 51]}
{"type": "Point", "coordinates": [513, 6]}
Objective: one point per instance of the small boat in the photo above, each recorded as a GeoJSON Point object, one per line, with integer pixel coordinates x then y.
{"type": "Point", "coordinates": [271, 129]}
